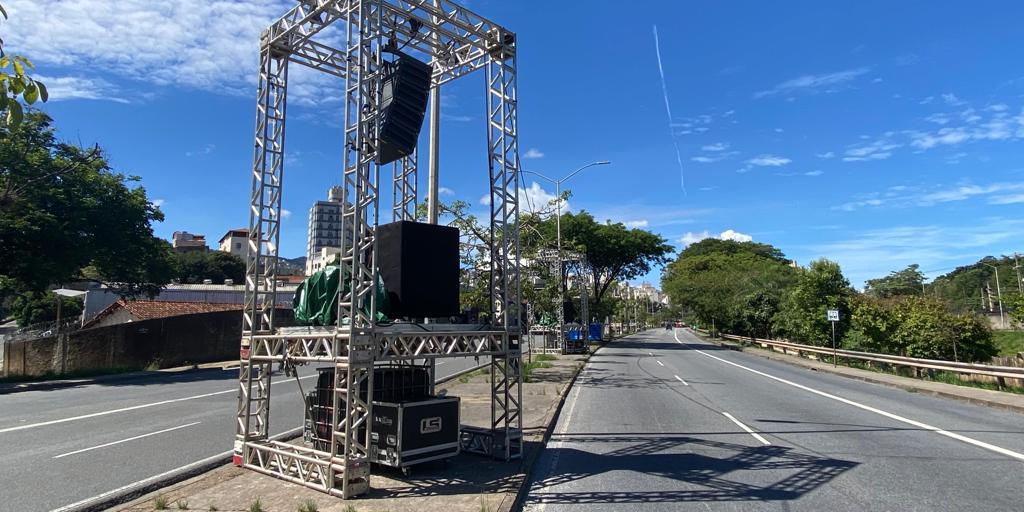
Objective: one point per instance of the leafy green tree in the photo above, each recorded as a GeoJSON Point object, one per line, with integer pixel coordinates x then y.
{"type": "Point", "coordinates": [65, 215]}
{"type": "Point", "coordinates": [34, 308]}
{"type": "Point", "coordinates": [735, 286]}
{"type": "Point", "coordinates": [196, 266]}
{"type": "Point", "coordinates": [610, 252]}
{"type": "Point", "coordinates": [909, 281]}
{"type": "Point", "coordinates": [15, 82]}
{"type": "Point", "coordinates": [1015, 304]}
{"type": "Point", "coordinates": [820, 287]}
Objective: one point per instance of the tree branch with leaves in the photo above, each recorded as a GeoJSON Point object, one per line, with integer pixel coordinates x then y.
{"type": "Point", "coordinates": [16, 83]}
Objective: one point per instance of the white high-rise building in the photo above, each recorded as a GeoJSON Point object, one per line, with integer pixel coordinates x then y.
{"type": "Point", "coordinates": [324, 228]}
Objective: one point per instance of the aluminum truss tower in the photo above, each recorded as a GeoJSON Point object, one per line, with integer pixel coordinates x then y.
{"type": "Point", "coordinates": [457, 42]}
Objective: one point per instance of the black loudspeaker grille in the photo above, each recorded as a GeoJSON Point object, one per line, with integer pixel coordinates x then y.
{"type": "Point", "coordinates": [419, 264]}
{"type": "Point", "coordinates": [406, 90]}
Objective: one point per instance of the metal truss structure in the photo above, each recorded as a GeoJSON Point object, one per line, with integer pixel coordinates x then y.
{"type": "Point", "coordinates": [457, 42]}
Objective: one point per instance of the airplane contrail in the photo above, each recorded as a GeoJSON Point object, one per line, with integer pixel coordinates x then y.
{"type": "Point", "coordinates": [668, 110]}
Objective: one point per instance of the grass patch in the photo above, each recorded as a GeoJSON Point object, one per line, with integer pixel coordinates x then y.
{"type": "Point", "coordinates": [475, 373]}
{"type": "Point", "coordinates": [308, 506]}
{"type": "Point", "coordinates": [528, 369]}
{"type": "Point", "coordinates": [545, 357]}
{"type": "Point", "coordinates": [182, 504]}
{"type": "Point", "coordinates": [256, 505]}
{"type": "Point", "coordinates": [160, 503]}
{"type": "Point", "coordinates": [1008, 342]}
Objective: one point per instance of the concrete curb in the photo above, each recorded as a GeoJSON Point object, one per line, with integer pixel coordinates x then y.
{"type": "Point", "coordinates": [45, 385]}
{"type": "Point", "coordinates": [165, 480]}
{"type": "Point", "coordinates": [908, 385]}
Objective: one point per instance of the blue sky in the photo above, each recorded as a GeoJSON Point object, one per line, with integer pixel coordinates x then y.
{"type": "Point", "coordinates": [877, 134]}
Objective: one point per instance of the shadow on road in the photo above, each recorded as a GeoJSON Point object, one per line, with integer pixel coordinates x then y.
{"type": "Point", "coordinates": [702, 474]}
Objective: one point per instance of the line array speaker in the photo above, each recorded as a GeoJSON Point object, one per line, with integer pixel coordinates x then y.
{"type": "Point", "coordinates": [406, 89]}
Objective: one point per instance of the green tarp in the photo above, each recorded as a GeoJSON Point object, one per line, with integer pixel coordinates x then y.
{"type": "Point", "coordinates": [316, 299]}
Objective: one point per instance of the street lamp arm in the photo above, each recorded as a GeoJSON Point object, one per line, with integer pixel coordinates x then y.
{"type": "Point", "coordinates": [577, 171]}
{"type": "Point", "coordinates": [542, 176]}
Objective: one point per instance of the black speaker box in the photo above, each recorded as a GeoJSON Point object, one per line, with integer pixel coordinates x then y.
{"type": "Point", "coordinates": [419, 264]}
{"type": "Point", "coordinates": [569, 312]}
{"type": "Point", "coordinates": [406, 89]}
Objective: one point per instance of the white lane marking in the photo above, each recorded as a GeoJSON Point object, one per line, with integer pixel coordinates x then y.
{"type": "Point", "coordinates": [76, 505]}
{"type": "Point", "coordinates": [918, 424]}
{"type": "Point", "coordinates": [662, 364]}
{"type": "Point", "coordinates": [650, 354]}
{"type": "Point", "coordinates": [132, 408]}
{"type": "Point", "coordinates": [125, 440]}
{"type": "Point", "coordinates": [680, 379]}
{"type": "Point", "coordinates": [749, 431]}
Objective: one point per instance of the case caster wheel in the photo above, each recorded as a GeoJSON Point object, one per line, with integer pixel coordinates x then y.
{"type": "Point", "coordinates": [406, 470]}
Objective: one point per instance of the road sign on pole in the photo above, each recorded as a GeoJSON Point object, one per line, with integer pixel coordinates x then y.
{"type": "Point", "coordinates": [833, 316]}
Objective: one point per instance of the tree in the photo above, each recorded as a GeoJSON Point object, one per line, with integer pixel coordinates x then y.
{"type": "Point", "coordinates": [909, 281]}
{"type": "Point", "coordinates": [197, 266]}
{"type": "Point", "coordinates": [15, 82]}
{"type": "Point", "coordinates": [65, 216]}
{"type": "Point", "coordinates": [34, 308]}
{"type": "Point", "coordinates": [734, 286]}
{"type": "Point", "coordinates": [820, 287]}
{"type": "Point", "coordinates": [610, 252]}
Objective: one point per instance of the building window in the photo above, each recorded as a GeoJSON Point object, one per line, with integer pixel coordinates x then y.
{"type": "Point", "coordinates": [238, 245]}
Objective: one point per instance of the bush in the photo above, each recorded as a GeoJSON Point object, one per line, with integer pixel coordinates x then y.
{"type": "Point", "coordinates": [34, 308]}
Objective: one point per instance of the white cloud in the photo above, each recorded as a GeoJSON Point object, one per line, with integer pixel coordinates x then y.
{"type": "Point", "coordinates": [445, 191]}
{"type": "Point", "coordinates": [690, 238]}
{"type": "Point", "coordinates": [1007, 199]}
{"type": "Point", "coordinates": [952, 100]}
{"type": "Point", "coordinates": [814, 83]}
{"type": "Point", "coordinates": [158, 202]}
{"type": "Point", "coordinates": [79, 88]}
{"type": "Point", "coordinates": [209, 45]}
{"type": "Point", "coordinates": [485, 199]}
{"type": "Point", "coordinates": [875, 252]}
{"type": "Point", "coordinates": [456, 118]}
{"type": "Point", "coordinates": [206, 150]}
{"type": "Point", "coordinates": [286, 214]}
{"type": "Point", "coordinates": [536, 198]}
{"type": "Point", "coordinates": [769, 161]}
{"type": "Point", "coordinates": [642, 223]}
{"type": "Point", "coordinates": [826, 155]}
{"type": "Point", "coordinates": [718, 146]}
{"type": "Point", "coordinates": [533, 153]}
{"type": "Point", "coordinates": [735, 236]}
{"type": "Point", "coordinates": [814, 173]}
{"type": "Point", "coordinates": [903, 196]}
{"type": "Point", "coordinates": [877, 150]}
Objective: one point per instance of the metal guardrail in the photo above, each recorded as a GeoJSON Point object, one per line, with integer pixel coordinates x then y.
{"type": "Point", "coordinates": [999, 372]}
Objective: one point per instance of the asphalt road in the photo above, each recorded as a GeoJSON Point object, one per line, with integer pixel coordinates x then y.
{"type": "Point", "coordinates": [659, 424]}
{"type": "Point", "coordinates": [61, 446]}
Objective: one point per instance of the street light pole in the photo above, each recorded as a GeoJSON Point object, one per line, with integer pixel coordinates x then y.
{"type": "Point", "coordinates": [999, 296]}
{"type": "Point", "coordinates": [558, 236]}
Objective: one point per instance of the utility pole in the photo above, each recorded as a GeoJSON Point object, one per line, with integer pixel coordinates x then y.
{"type": "Point", "coordinates": [999, 296]}
{"type": "Point", "coordinates": [435, 142]}
{"type": "Point", "coordinates": [1016, 267]}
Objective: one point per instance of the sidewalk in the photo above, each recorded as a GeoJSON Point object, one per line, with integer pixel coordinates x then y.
{"type": "Point", "coordinates": [34, 385]}
{"type": "Point", "coordinates": [978, 396]}
{"type": "Point", "coordinates": [469, 483]}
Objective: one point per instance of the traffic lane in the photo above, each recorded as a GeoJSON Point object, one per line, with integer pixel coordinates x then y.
{"type": "Point", "coordinates": [35, 480]}
{"type": "Point", "coordinates": [627, 438]}
{"type": "Point", "coordinates": [986, 424]}
{"type": "Point", "coordinates": [898, 465]}
{"type": "Point", "coordinates": [26, 407]}
{"type": "Point", "coordinates": [57, 482]}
